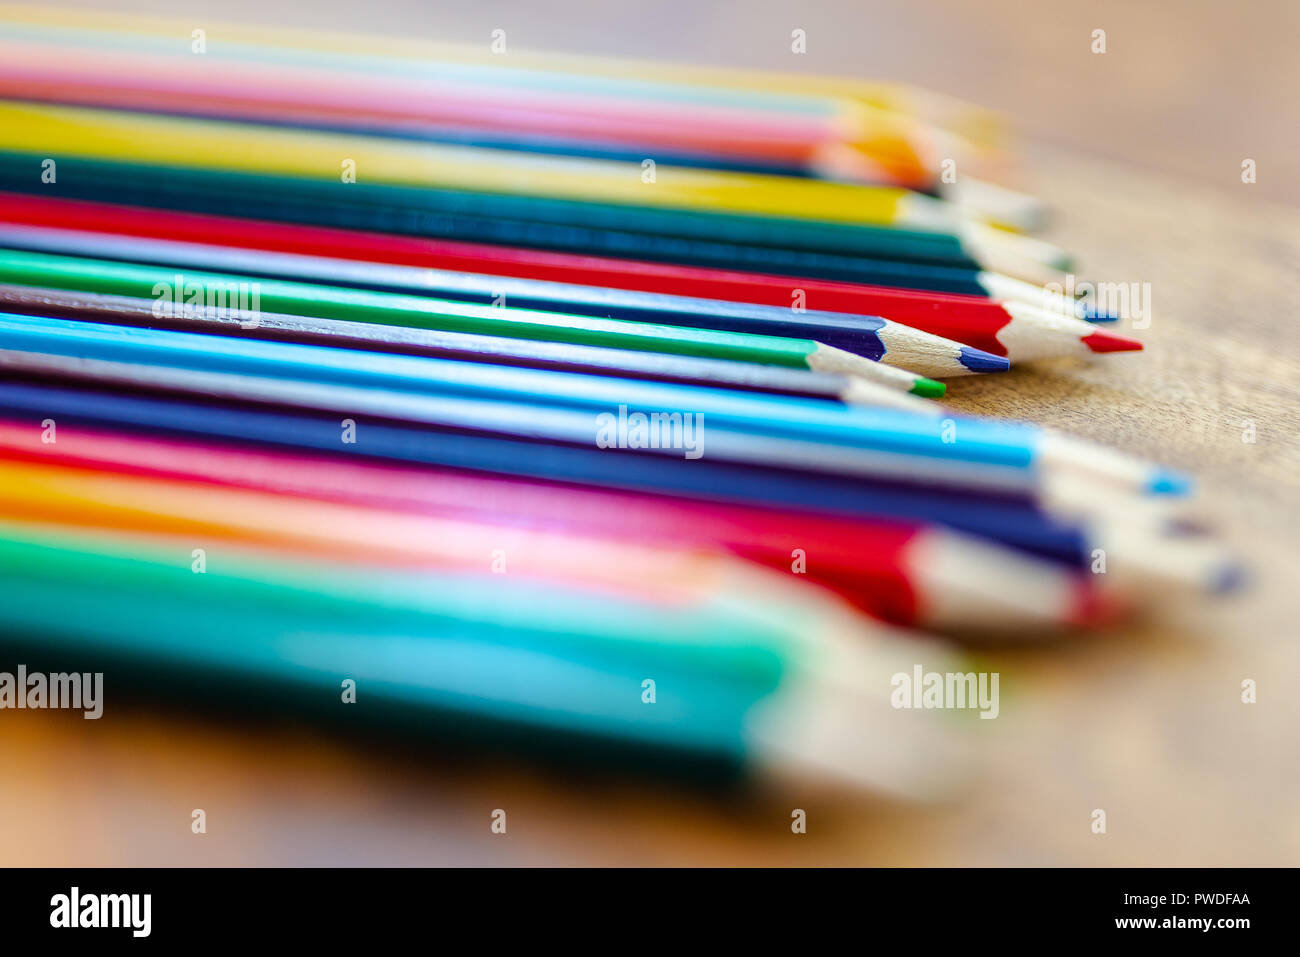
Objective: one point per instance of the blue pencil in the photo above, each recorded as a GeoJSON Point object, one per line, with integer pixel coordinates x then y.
{"type": "Point", "coordinates": [828, 436]}
{"type": "Point", "coordinates": [1012, 517]}
{"type": "Point", "coordinates": [872, 337]}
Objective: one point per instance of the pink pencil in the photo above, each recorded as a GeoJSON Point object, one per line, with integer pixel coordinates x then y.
{"type": "Point", "coordinates": [281, 93]}
{"type": "Point", "coordinates": [900, 572]}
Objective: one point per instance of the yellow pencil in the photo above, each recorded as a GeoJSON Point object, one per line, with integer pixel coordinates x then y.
{"type": "Point", "coordinates": [50, 130]}
{"type": "Point", "coordinates": [886, 125]}
{"type": "Point", "coordinates": [976, 123]}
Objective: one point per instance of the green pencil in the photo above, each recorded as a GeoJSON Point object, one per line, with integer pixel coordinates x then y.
{"type": "Point", "coordinates": [173, 291]}
{"type": "Point", "coordinates": [723, 679]}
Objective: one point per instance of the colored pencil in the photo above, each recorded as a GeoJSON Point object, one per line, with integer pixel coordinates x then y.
{"type": "Point", "coordinates": [897, 436]}
{"type": "Point", "coordinates": [539, 221]}
{"type": "Point", "coordinates": [907, 572]}
{"type": "Point", "coordinates": [421, 430]}
{"type": "Point", "coordinates": [184, 142]}
{"type": "Point", "coordinates": [275, 412]}
{"type": "Point", "coordinates": [559, 356]}
{"type": "Point", "coordinates": [329, 302]}
{"type": "Point", "coordinates": [474, 108]}
{"type": "Point", "coordinates": [911, 128]}
{"type": "Point", "coordinates": [915, 127]}
{"type": "Point", "coordinates": [549, 444]}
{"type": "Point", "coordinates": [807, 221]}
{"type": "Point", "coordinates": [389, 53]}
{"type": "Point", "coordinates": [101, 499]}
{"type": "Point", "coordinates": [508, 387]}
{"type": "Point", "coordinates": [561, 407]}
{"type": "Point", "coordinates": [424, 107]}
{"type": "Point", "coordinates": [1001, 328]}
{"type": "Point", "coordinates": [483, 659]}
{"type": "Point", "coordinates": [905, 352]}
{"type": "Point", "coordinates": [777, 415]}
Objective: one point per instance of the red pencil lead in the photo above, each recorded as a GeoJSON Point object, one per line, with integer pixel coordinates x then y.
{"type": "Point", "coordinates": [1109, 342]}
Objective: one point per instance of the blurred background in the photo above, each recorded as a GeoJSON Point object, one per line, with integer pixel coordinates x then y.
{"type": "Point", "coordinates": [1139, 151]}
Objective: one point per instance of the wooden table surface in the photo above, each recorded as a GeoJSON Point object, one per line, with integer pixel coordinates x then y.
{"type": "Point", "coordinates": [1145, 723]}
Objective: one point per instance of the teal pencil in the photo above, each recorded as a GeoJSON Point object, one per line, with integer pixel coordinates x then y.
{"type": "Point", "coordinates": [715, 680]}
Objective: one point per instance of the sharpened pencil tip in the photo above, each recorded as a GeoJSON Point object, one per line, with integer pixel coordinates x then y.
{"type": "Point", "coordinates": [977, 360]}
{"type": "Point", "coordinates": [929, 388]}
{"type": "Point", "coordinates": [1168, 482]}
{"type": "Point", "coordinates": [1089, 314]}
{"type": "Point", "coordinates": [1110, 342]}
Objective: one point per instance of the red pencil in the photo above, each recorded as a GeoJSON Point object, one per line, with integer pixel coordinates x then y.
{"type": "Point", "coordinates": [905, 573]}
{"type": "Point", "coordinates": [1018, 331]}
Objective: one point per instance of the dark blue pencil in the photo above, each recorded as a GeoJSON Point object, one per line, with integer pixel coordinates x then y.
{"type": "Point", "coordinates": [812, 434]}
{"type": "Point", "coordinates": [1014, 518]}
{"type": "Point", "coordinates": [869, 336]}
